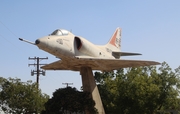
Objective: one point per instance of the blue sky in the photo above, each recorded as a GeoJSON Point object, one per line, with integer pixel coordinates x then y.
{"type": "Point", "coordinates": [149, 27]}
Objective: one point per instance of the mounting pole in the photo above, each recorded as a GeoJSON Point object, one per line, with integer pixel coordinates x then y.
{"type": "Point", "coordinates": [89, 85]}
{"type": "Point", "coordinates": [37, 71]}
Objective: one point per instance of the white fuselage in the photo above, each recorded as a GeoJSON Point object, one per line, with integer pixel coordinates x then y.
{"type": "Point", "coordinates": [66, 46]}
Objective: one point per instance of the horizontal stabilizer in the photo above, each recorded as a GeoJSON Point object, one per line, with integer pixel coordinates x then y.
{"type": "Point", "coordinates": [118, 54]}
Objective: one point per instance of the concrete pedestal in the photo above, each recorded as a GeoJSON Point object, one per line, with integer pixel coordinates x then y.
{"type": "Point", "coordinates": [89, 85]}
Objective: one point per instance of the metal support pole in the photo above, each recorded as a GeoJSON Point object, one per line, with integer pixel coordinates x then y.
{"type": "Point", "coordinates": [90, 86]}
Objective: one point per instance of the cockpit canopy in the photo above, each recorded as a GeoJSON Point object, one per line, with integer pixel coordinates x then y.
{"type": "Point", "coordinates": [60, 32]}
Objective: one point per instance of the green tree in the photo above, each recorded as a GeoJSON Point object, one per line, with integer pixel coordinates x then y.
{"type": "Point", "coordinates": [139, 90]}
{"type": "Point", "coordinates": [18, 97]}
{"type": "Point", "coordinates": [69, 100]}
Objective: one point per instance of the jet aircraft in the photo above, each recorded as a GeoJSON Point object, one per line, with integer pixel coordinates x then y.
{"type": "Point", "coordinates": [75, 52]}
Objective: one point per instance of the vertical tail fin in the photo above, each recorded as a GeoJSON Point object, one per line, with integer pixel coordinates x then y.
{"type": "Point", "coordinates": [115, 42]}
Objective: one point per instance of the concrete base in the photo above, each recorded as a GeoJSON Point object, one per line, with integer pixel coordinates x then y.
{"type": "Point", "coordinates": [89, 85]}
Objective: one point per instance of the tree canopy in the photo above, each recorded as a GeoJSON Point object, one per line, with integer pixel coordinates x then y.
{"type": "Point", "coordinates": [69, 100]}
{"type": "Point", "coordinates": [18, 97]}
{"type": "Point", "coordinates": [142, 90]}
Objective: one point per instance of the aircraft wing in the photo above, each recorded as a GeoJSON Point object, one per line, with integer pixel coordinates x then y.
{"type": "Point", "coordinates": [58, 65]}
{"type": "Point", "coordinates": [75, 64]}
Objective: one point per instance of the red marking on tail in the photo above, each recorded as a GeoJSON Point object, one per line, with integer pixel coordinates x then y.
{"type": "Point", "coordinates": [113, 39]}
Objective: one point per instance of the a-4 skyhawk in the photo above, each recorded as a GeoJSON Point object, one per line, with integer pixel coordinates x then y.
{"type": "Point", "coordinates": [76, 52]}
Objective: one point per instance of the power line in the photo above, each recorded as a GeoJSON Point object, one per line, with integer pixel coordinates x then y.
{"type": "Point", "coordinates": [8, 29]}
{"type": "Point", "coordinates": [7, 38]}
{"type": "Point", "coordinates": [10, 42]}
{"type": "Point", "coordinates": [37, 71]}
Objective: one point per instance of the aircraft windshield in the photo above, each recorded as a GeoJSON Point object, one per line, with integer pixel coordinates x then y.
{"type": "Point", "coordinates": [60, 32]}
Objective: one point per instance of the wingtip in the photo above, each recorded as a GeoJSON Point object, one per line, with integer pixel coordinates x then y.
{"type": "Point", "coordinates": [156, 63]}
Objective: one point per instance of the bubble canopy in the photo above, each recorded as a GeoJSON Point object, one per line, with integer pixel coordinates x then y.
{"type": "Point", "coordinates": [60, 32]}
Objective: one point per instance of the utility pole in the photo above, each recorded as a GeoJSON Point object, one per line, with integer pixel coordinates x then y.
{"type": "Point", "coordinates": [37, 71]}
{"type": "Point", "coordinates": [67, 84]}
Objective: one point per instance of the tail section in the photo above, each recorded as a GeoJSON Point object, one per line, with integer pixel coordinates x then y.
{"type": "Point", "coordinates": [114, 45]}
{"type": "Point", "coordinates": [115, 42]}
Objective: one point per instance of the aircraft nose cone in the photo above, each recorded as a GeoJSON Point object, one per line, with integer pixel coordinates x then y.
{"type": "Point", "coordinates": [37, 42]}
